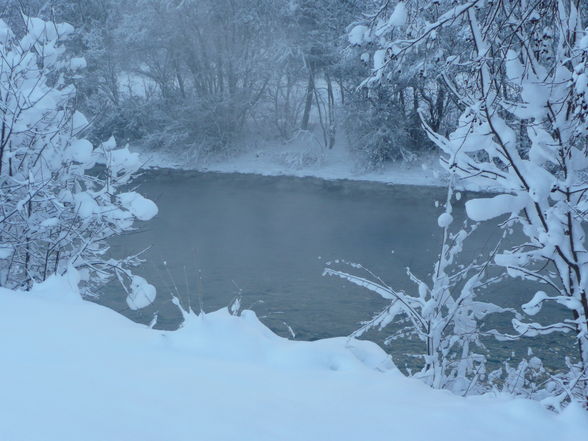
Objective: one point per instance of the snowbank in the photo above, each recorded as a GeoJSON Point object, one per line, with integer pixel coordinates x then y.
{"type": "Point", "coordinates": [302, 160]}
{"type": "Point", "coordinates": [72, 370]}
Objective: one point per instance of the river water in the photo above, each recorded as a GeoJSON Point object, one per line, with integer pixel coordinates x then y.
{"type": "Point", "coordinates": [268, 239]}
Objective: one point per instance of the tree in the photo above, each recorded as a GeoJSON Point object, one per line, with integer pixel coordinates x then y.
{"type": "Point", "coordinates": [315, 34]}
{"type": "Point", "coordinates": [57, 206]}
{"type": "Point", "coordinates": [209, 62]}
{"type": "Point", "coordinates": [444, 314]}
{"type": "Point", "coordinates": [519, 73]}
{"type": "Point", "coordinates": [394, 95]}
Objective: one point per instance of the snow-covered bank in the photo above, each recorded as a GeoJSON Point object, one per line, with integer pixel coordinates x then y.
{"type": "Point", "coordinates": [72, 370]}
{"type": "Point", "coordinates": [301, 161]}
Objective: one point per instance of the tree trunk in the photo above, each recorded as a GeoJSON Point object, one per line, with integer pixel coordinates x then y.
{"type": "Point", "coordinates": [308, 104]}
{"type": "Point", "coordinates": [331, 112]}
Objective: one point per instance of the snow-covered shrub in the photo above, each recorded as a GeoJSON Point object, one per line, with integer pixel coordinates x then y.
{"type": "Point", "coordinates": [133, 119]}
{"type": "Point", "coordinates": [443, 314]}
{"type": "Point", "coordinates": [383, 114]}
{"type": "Point", "coordinates": [59, 194]}
{"type": "Point", "coordinates": [528, 379]}
{"type": "Point", "coordinates": [377, 129]}
{"type": "Point", "coordinates": [519, 71]}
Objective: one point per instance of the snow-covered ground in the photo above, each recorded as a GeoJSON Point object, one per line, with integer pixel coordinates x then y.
{"type": "Point", "coordinates": [73, 370]}
{"type": "Point", "coordinates": [302, 158]}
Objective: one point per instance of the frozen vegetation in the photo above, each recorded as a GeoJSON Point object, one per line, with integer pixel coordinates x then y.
{"type": "Point", "coordinates": [469, 94]}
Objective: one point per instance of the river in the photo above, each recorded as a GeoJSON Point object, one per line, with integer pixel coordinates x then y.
{"type": "Point", "coordinates": [268, 240]}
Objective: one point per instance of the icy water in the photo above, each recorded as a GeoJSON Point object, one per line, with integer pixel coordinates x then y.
{"type": "Point", "coordinates": [269, 238]}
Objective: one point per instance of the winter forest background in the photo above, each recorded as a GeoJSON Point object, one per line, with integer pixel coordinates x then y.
{"type": "Point", "coordinates": [205, 76]}
{"type": "Point", "coordinates": [493, 93]}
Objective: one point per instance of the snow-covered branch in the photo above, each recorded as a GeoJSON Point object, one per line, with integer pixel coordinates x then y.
{"type": "Point", "coordinates": [59, 195]}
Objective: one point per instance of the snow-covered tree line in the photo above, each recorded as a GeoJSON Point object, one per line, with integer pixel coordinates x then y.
{"type": "Point", "coordinates": [385, 117]}
{"type": "Point", "coordinates": [518, 73]}
{"type": "Point", "coordinates": [203, 75]}
{"type": "Point", "coordinates": [60, 195]}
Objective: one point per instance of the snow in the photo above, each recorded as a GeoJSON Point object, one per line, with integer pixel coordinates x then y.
{"type": "Point", "coordinates": [399, 16]}
{"type": "Point", "coordinates": [397, 19]}
{"type": "Point", "coordinates": [121, 160]}
{"type": "Point", "coordinates": [142, 293]}
{"type": "Point", "coordinates": [534, 306]}
{"type": "Point", "coordinates": [139, 206]}
{"type": "Point", "coordinates": [5, 32]}
{"type": "Point", "coordinates": [109, 144]}
{"type": "Point", "coordinates": [86, 205]}
{"type": "Point", "coordinates": [73, 370]}
{"type": "Point", "coordinates": [301, 160]}
{"type": "Point", "coordinates": [444, 220]}
{"type": "Point", "coordinates": [514, 68]}
{"type": "Point", "coordinates": [77, 63]}
{"type": "Point", "coordinates": [64, 29]}
{"type": "Point", "coordinates": [357, 36]}
{"type": "Point", "coordinates": [79, 122]}
{"type": "Point", "coordinates": [5, 251]}
{"type": "Point", "coordinates": [379, 59]}
{"type": "Point", "coordinates": [81, 150]}
{"type": "Point", "coordinates": [50, 222]}
{"type": "Point", "coordinates": [489, 208]}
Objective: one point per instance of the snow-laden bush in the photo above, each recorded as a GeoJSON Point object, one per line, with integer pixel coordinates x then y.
{"type": "Point", "coordinates": [443, 314]}
{"type": "Point", "coordinates": [377, 129]}
{"type": "Point", "coordinates": [382, 123]}
{"type": "Point", "coordinates": [59, 194]}
{"type": "Point", "coordinates": [519, 71]}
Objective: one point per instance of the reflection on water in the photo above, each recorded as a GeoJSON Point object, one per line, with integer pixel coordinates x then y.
{"type": "Point", "coordinates": [269, 238]}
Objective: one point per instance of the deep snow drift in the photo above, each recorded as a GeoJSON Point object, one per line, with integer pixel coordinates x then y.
{"type": "Point", "coordinates": [72, 370]}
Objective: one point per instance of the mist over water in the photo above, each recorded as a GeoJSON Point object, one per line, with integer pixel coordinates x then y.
{"type": "Point", "coordinates": [269, 239]}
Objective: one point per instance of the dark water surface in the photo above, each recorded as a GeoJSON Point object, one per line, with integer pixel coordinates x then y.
{"type": "Point", "coordinates": [269, 238]}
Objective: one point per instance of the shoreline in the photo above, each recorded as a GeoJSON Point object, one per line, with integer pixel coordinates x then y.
{"type": "Point", "coordinates": [425, 172]}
